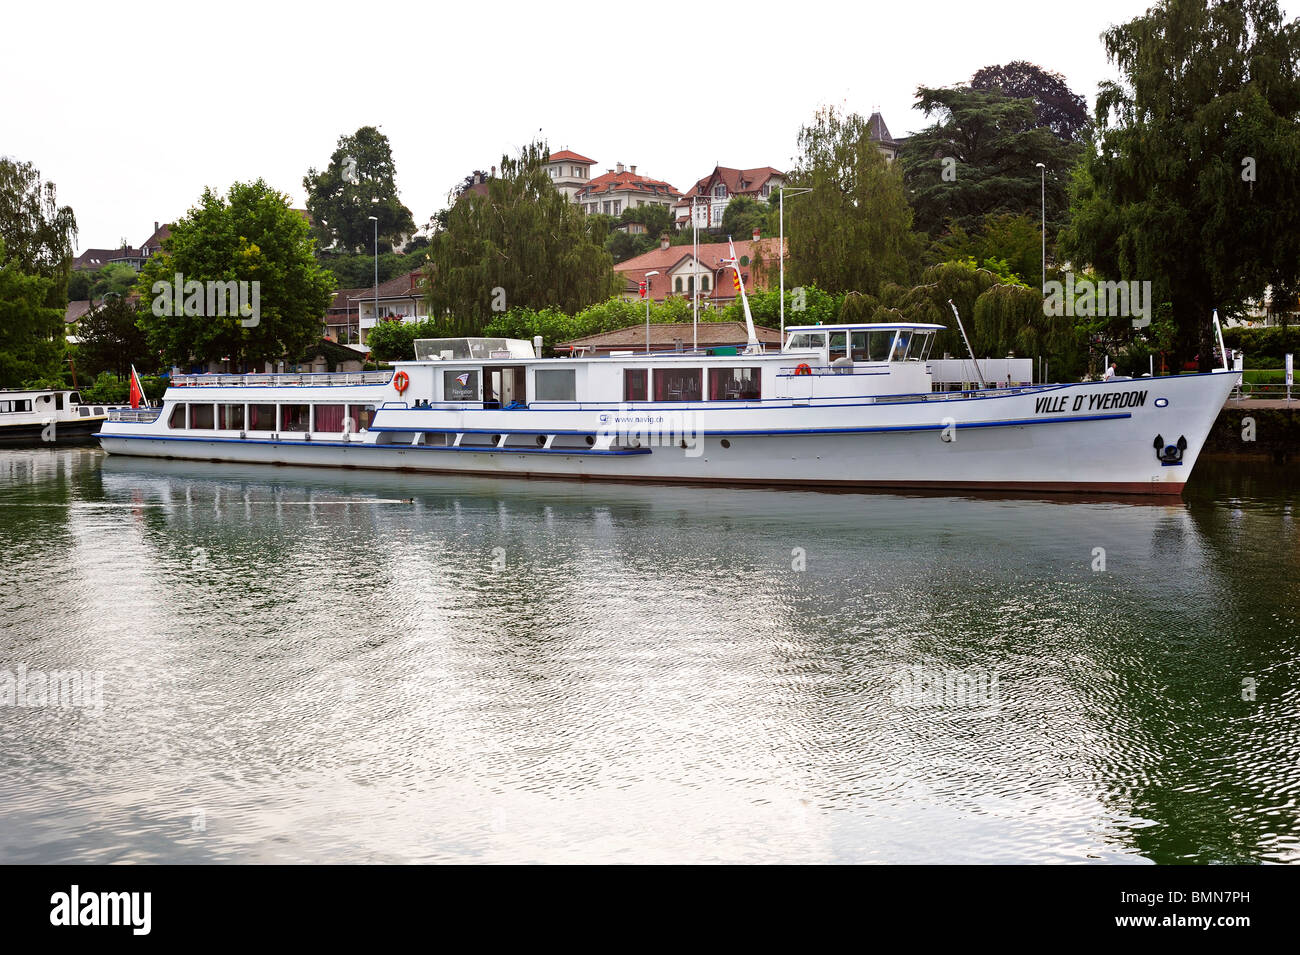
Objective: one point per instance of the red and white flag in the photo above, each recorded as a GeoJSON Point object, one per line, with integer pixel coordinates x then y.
{"type": "Point", "coordinates": [137, 389]}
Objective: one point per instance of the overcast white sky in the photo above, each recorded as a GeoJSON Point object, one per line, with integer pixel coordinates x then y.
{"type": "Point", "coordinates": [131, 111]}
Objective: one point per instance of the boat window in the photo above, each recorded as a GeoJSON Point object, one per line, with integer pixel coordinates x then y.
{"type": "Point", "coordinates": [74, 397]}
{"type": "Point", "coordinates": [230, 417]}
{"type": "Point", "coordinates": [858, 346]}
{"type": "Point", "coordinates": [262, 418]}
{"type": "Point", "coordinates": [460, 385]}
{"type": "Point", "coordinates": [636, 384]}
{"type": "Point", "coordinates": [923, 345]}
{"type": "Point", "coordinates": [901, 346]}
{"type": "Point", "coordinates": [175, 420]}
{"type": "Point", "coordinates": [201, 417]}
{"type": "Point", "coordinates": [295, 417]}
{"type": "Point", "coordinates": [839, 345]}
{"type": "Point", "coordinates": [328, 418]}
{"type": "Point", "coordinates": [734, 384]}
{"type": "Point", "coordinates": [679, 384]}
{"type": "Point", "coordinates": [879, 343]}
{"type": "Point", "coordinates": [17, 404]}
{"type": "Point", "coordinates": [361, 416]}
{"type": "Point", "coordinates": [802, 341]}
{"type": "Point", "coordinates": [555, 384]}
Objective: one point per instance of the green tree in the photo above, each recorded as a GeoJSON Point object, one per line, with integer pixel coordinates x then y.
{"type": "Point", "coordinates": [521, 245]}
{"type": "Point", "coordinates": [744, 214]}
{"type": "Point", "coordinates": [112, 340]}
{"type": "Point", "coordinates": [251, 235]}
{"type": "Point", "coordinates": [79, 283]}
{"type": "Point", "coordinates": [978, 160]}
{"type": "Point", "coordinates": [853, 232]}
{"type": "Point", "coordinates": [38, 233]}
{"type": "Point", "coordinates": [32, 345]}
{"type": "Point", "coordinates": [1193, 181]}
{"type": "Point", "coordinates": [1014, 240]}
{"type": "Point", "coordinates": [116, 278]}
{"type": "Point", "coordinates": [656, 219]}
{"type": "Point", "coordinates": [359, 182]}
{"type": "Point", "coordinates": [1056, 106]}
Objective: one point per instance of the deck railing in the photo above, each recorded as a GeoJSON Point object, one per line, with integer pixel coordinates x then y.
{"type": "Point", "coordinates": [134, 415]}
{"type": "Point", "coordinates": [298, 379]}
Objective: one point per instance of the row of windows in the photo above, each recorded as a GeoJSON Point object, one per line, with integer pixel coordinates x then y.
{"type": "Point", "coordinates": [687, 384]}
{"type": "Point", "coordinates": [884, 345]}
{"type": "Point", "coordinates": [330, 419]}
{"type": "Point", "coordinates": [17, 404]}
{"type": "Point", "coordinates": [689, 286]}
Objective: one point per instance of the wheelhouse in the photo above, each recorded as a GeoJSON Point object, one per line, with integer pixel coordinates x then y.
{"type": "Point", "coordinates": [872, 343]}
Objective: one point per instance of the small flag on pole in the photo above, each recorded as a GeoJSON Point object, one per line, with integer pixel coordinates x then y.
{"type": "Point", "coordinates": [137, 389]}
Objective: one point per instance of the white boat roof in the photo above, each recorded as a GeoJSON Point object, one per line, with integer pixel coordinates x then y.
{"type": "Point", "coordinates": [869, 327]}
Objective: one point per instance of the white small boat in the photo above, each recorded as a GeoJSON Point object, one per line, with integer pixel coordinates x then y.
{"type": "Point", "coordinates": [48, 417]}
{"type": "Point", "coordinates": [842, 406]}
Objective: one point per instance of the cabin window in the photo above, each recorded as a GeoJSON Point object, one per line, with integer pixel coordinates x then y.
{"type": "Point", "coordinates": [922, 347]}
{"type": "Point", "coordinates": [460, 385]}
{"type": "Point", "coordinates": [878, 345]}
{"type": "Point", "coordinates": [262, 418]}
{"type": "Point", "coordinates": [295, 417]}
{"type": "Point", "coordinates": [555, 384]}
{"type": "Point", "coordinates": [201, 417]}
{"type": "Point", "coordinates": [734, 384]}
{"type": "Point", "coordinates": [802, 341]}
{"type": "Point", "coordinates": [18, 404]}
{"type": "Point", "coordinates": [679, 384]}
{"type": "Point", "coordinates": [858, 346]}
{"type": "Point", "coordinates": [329, 418]}
{"type": "Point", "coordinates": [636, 384]}
{"type": "Point", "coordinates": [230, 417]}
{"type": "Point", "coordinates": [901, 346]}
{"type": "Point", "coordinates": [176, 419]}
{"type": "Point", "coordinates": [839, 345]}
{"type": "Point", "coordinates": [361, 416]}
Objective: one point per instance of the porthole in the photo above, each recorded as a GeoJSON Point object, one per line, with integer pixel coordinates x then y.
{"type": "Point", "coordinates": [590, 440]}
{"type": "Point", "coordinates": [726, 443]}
{"type": "Point", "coordinates": [541, 440]}
{"type": "Point", "coordinates": [1162, 402]}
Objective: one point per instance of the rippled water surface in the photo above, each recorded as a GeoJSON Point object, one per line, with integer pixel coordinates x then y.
{"type": "Point", "coordinates": [306, 665]}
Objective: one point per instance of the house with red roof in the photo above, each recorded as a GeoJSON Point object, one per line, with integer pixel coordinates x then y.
{"type": "Point", "coordinates": [621, 188]}
{"type": "Point", "coordinates": [679, 270]}
{"type": "Point", "coordinates": [569, 171]}
{"type": "Point", "coordinates": [711, 195]}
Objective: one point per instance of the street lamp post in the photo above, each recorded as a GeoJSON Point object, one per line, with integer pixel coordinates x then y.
{"type": "Point", "coordinates": [1043, 205]}
{"type": "Point", "coordinates": [647, 309]}
{"type": "Point", "coordinates": [780, 251]}
{"type": "Point", "coordinates": [375, 316]}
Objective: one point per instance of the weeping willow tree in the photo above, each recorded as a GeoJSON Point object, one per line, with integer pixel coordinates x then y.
{"type": "Point", "coordinates": [854, 230]}
{"type": "Point", "coordinates": [960, 282]}
{"type": "Point", "coordinates": [522, 245]}
{"type": "Point", "coordinates": [1009, 320]}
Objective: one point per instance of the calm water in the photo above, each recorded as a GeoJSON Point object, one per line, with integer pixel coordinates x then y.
{"type": "Point", "coordinates": [302, 665]}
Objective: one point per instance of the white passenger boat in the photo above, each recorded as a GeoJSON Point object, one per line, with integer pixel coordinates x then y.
{"type": "Point", "coordinates": [839, 406]}
{"type": "Point", "coordinates": [48, 417]}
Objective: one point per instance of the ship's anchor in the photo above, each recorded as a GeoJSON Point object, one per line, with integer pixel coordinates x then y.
{"type": "Point", "coordinates": [1168, 454]}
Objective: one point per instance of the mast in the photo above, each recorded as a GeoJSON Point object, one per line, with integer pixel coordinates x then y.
{"type": "Point", "coordinates": [978, 374]}
{"type": "Point", "coordinates": [752, 347]}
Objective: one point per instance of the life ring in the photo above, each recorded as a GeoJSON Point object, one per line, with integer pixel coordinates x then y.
{"type": "Point", "coordinates": [803, 368]}
{"type": "Point", "coordinates": [401, 381]}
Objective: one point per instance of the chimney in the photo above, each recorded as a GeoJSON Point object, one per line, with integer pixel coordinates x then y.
{"type": "Point", "coordinates": [755, 233]}
{"type": "Point", "coordinates": [620, 168]}
{"type": "Point", "coordinates": [155, 227]}
{"type": "Point", "coordinates": [664, 241]}
{"type": "Point", "coordinates": [633, 168]}
{"type": "Point", "coordinates": [494, 172]}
